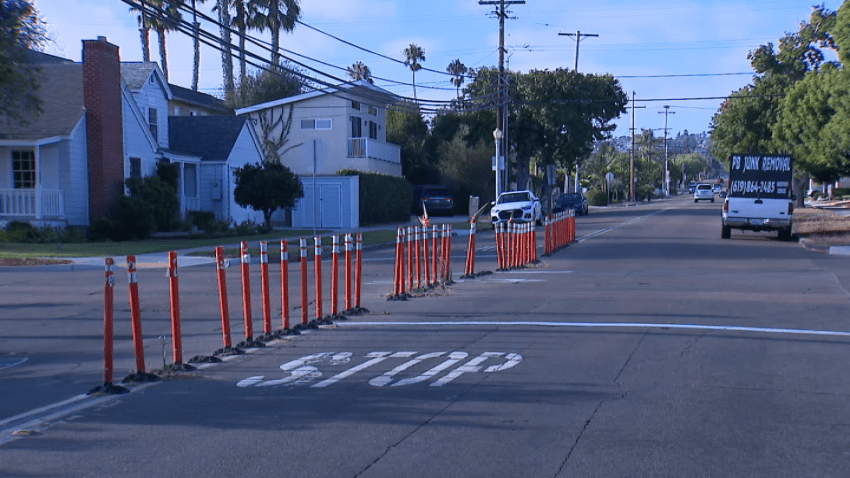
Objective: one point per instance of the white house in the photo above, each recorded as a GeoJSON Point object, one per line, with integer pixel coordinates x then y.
{"type": "Point", "coordinates": [104, 121]}
{"type": "Point", "coordinates": [319, 133]}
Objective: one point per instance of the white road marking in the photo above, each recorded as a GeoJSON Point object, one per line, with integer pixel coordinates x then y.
{"type": "Point", "coordinates": [7, 363]}
{"type": "Point", "coordinates": [387, 377]}
{"type": "Point", "coordinates": [621, 325]}
{"type": "Point", "coordinates": [454, 358]}
{"type": "Point", "coordinates": [378, 357]}
{"type": "Point", "coordinates": [469, 367]}
{"type": "Point", "coordinates": [300, 370]}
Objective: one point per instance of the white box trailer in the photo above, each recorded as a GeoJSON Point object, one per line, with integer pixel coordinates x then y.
{"type": "Point", "coordinates": [759, 196]}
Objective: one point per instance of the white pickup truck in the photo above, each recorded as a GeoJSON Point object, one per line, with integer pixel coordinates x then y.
{"type": "Point", "coordinates": [759, 195]}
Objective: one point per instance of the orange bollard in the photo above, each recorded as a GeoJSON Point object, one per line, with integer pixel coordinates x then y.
{"type": "Point", "coordinates": [303, 244]}
{"type": "Point", "coordinates": [399, 257]}
{"type": "Point", "coordinates": [358, 273]}
{"type": "Point", "coordinates": [246, 293]}
{"type": "Point", "coordinates": [418, 243]}
{"type": "Point", "coordinates": [410, 258]}
{"type": "Point", "coordinates": [108, 328]}
{"type": "Point", "coordinates": [435, 253]}
{"type": "Point", "coordinates": [265, 288]}
{"type": "Point", "coordinates": [449, 253]}
{"type": "Point", "coordinates": [426, 260]}
{"type": "Point", "coordinates": [222, 294]}
{"type": "Point", "coordinates": [348, 247]}
{"type": "Point", "coordinates": [174, 293]}
{"type": "Point", "coordinates": [318, 262]}
{"type": "Point", "coordinates": [334, 274]}
{"type": "Point", "coordinates": [136, 315]}
{"type": "Point", "coordinates": [534, 243]}
{"type": "Point", "coordinates": [284, 283]}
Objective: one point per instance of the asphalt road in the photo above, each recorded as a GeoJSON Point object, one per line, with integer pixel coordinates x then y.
{"type": "Point", "coordinates": [649, 348]}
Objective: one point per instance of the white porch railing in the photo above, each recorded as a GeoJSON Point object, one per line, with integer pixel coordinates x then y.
{"type": "Point", "coordinates": [22, 203]}
{"type": "Point", "coordinates": [369, 148]}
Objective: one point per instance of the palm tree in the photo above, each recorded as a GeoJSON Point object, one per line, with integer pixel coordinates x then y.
{"type": "Point", "coordinates": [458, 70]}
{"type": "Point", "coordinates": [167, 18]}
{"type": "Point", "coordinates": [144, 31]}
{"type": "Point", "coordinates": [244, 16]}
{"type": "Point", "coordinates": [414, 55]}
{"type": "Point", "coordinates": [277, 15]}
{"type": "Point", "coordinates": [226, 60]}
{"type": "Point", "coordinates": [359, 71]}
{"type": "Point", "coordinates": [196, 44]}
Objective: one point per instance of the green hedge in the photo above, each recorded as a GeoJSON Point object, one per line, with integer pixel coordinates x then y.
{"type": "Point", "coordinates": [383, 198]}
{"type": "Point", "coordinates": [597, 198]}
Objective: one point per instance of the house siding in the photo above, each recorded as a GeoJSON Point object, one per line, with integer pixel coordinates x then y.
{"type": "Point", "coordinates": [136, 143]}
{"type": "Point", "coordinates": [74, 177]}
{"type": "Point", "coordinates": [213, 188]}
{"type": "Point", "coordinates": [244, 152]}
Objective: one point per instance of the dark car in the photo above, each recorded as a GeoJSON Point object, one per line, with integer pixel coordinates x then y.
{"type": "Point", "coordinates": [571, 201]}
{"type": "Point", "coordinates": [437, 199]}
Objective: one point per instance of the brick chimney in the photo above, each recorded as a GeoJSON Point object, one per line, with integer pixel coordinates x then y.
{"type": "Point", "coordinates": [104, 125]}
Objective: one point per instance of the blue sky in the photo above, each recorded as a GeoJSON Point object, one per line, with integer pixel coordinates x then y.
{"type": "Point", "coordinates": [637, 40]}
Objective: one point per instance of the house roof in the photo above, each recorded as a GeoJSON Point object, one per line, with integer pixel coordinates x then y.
{"type": "Point", "coordinates": [61, 93]}
{"type": "Point", "coordinates": [197, 98]}
{"type": "Point", "coordinates": [210, 137]}
{"type": "Point", "coordinates": [136, 74]}
{"type": "Point", "coordinates": [360, 89]}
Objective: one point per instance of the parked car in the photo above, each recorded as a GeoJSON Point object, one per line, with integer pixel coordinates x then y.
{"type": "Point", "coordinates": [703, 191]}
{"type": "Point", "coordinates": [437, 199]}
{"type": "Point", "coordinates": [692, 186]}
{"type": "Point", "coordinates": [517, 206]}
{"type": "Point", "coordinates": [571, 201]}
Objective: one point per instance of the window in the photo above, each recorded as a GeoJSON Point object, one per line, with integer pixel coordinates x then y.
{"type": "Point", "coordinates": [152, 122]}
{"type": "Point", "coordinates": [135, 167]}
{"type": "Point", "coordinates": [356, 127]}
{"type": "Point", "coordinates": [355, 105]}
{"type": "Point", "coordinates": [373, 111]}
{"type": "Point", "coordinates": [23, 169]}
{"type": "Point", "coordinates": [318, 123]}
{"type": "Point", "coordinates": [373, 129]}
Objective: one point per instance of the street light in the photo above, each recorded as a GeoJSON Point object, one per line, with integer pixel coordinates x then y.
{"type": "Point", "coordinates": [497, 135]}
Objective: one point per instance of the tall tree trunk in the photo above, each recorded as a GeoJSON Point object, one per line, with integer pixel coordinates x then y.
{"type": "Point", "coordinates": [144, 34]}
{"type": "Point", "coordinates": [275, 32]}
{"type": "Point", "coordinates": [414, 88]}
{"type": "Point", "coordinates": [196, 61]}
{"type": "Point", "coordinates": [226, 60]}
{"type": "Point", "coordinates": [163, 54]}
{"type": "Point", "coordinates": [243, 62]}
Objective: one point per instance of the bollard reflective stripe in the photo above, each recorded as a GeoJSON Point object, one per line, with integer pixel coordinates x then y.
{"type": "Point", "coordinates": [318, 276]}
{"type": "Point", "coordinates": [108, 328]}
{"type": "Point", "coordinates": [222, 294]}
{"type": "Point", "coordinates": [303, 245]}
{"type": "Point", "coordinates": [265, 287]}
{"type": "Point", "coordinates": [135, 312]}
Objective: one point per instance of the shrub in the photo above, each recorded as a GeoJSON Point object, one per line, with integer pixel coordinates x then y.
{"type": "Point", "coordinates": [204, 220]}
{"type": "Point", "coordinates": [839, 192]}
{"type": "Point", "coordinates": [101, 229]}
{"type": "Point", "coordinates": [597, 198]}
{"type": "Point", "coordinates": [133, 218]}
{"type": "Point", "coordinates": [383, 198]}
{"type": "Point", "coordinates": [816, 194]}
{"type": "Point", "coordinates": [18, 231]}
{"type": "Point", "coordinates": [161, 196]}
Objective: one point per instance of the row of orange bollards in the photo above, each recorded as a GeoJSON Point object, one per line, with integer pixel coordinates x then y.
{"type": "Point", "coordinates": [353, 282]}
{"type": "Point", "coordinates": [516, 245]}
{"type": "Point", "coordinates": [560, 231]}
{"type": "Point", "coordinates": [431, 259]}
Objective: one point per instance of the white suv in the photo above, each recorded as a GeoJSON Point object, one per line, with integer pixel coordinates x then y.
{"type": "Point", "coordinates": [703, 191]}
{"type": "Point", "coordinates": [517, 206]}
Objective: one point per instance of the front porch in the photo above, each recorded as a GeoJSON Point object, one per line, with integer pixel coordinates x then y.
{"type": "Point", "coordinates": [32, 204]}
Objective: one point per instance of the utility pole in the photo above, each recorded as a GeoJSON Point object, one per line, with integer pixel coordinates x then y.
{"type": "Point", "coordinates": [632, 157]}
{"type": "Point", "coordinates": [500, 111]}
{"type": "Point", "coordinates": [666, 168]}
{"type": "Point", "coordinates": [578, 36]}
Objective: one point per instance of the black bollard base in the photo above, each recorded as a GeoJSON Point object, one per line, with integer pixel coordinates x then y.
{"type": "Point", "coordinates": [108, 388]}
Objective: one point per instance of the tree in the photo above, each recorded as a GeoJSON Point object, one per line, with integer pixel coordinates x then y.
{"type": "Point", "coordinates": [407, 128]}
{"type": "Point", "coordinates": [413, 55]}
{"type": "Point", "coordinates": [166, 18]}
{"type": "Point", "coordinates": [261, 86]}
{"type": "Point", "coordinates": [359, 71]}
{"type": "Point", "coordinates": [196, 45]}
{"type": "Point", "coordinates": [21, 29]}
{"type": "Point", "coordinates": [226, 60]}
{"type": "Point", "coordinates": [266, 187]}
{"type": "Point", "coordinates": [813, 124]}
{"type": "Point", "coordinates": [458, 70]}
{"type": "Point", "coordinates": [277, 16]}
{"type": "Point", "coordinates": [245, 16]}
{"type": "Point", "coordinates": [144, 31]}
